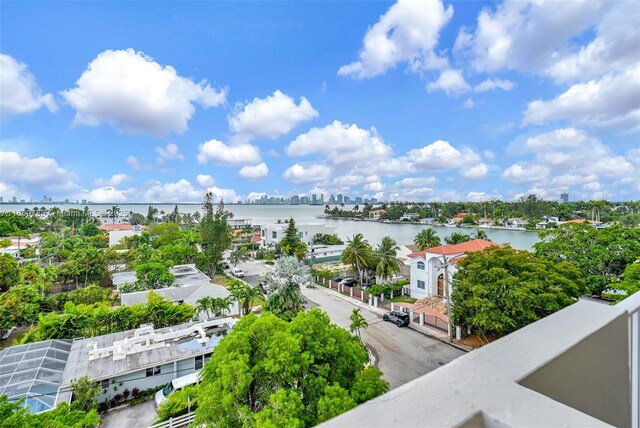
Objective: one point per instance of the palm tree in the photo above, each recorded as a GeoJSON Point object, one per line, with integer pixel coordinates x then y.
{"type": "Point", "coordinates": [204, 304]}
{"type": "Point", "coordinates": [244, 294]}
{"type": "Point", "coordinates": [284, 282]}
{"type": "Point", "coordinates": [385, 260]}
{"type": "Point", "coordinates": [238, 255]}
{"type": "Point", "coordinates": [113, 213]}
{"type": "Point", "coordinates": [426, 238]}
{"type": "Point", "coordinates": [20, 233]}
{"type": "Point", "coordinates": [481, 234]}
{"type": "Point", "coordinates": [457, 238]}
{"type": "Point", "coordinates": [358, 254]}
{"type": "Point", "coordinates": [357, 322]}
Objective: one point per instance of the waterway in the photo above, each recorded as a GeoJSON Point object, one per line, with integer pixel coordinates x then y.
{"type": "Point", "coordinates": [308, 214]}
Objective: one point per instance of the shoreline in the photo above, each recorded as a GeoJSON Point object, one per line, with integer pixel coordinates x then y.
{"type": "Point", "coordinates": [516, 229]}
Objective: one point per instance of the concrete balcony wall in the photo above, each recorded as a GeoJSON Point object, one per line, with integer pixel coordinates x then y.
{"type": "Point", "coordinates": [577, 367]}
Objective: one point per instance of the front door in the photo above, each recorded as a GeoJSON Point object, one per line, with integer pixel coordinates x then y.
{"type": "Point", "coordinates": [441, 285]}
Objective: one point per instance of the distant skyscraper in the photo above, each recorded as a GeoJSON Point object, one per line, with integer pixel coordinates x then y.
{"type": "Point", "coordinates": [314, 199]}
{"type": "Point", "coordinates": [332, 199]}
{"type": "Point", "coordinates": [564, 198]}
{"type": "Point", "coordinates": [340, 199]}
{"type": "Point", "coordinates": [358, 200]}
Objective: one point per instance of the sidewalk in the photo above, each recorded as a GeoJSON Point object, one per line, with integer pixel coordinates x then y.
{"type": "Point", "coordinates": [380, 312]}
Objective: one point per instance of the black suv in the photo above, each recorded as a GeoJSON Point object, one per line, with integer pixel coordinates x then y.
{"type": "Point", "coordinates": [349, 282]}
{"type": "Point", "coordinates": [398, 318]}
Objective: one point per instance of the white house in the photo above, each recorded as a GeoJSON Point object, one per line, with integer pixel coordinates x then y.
{"type": "Point", "coordinates": [271, 235]}
{"type": "Point", "coordinates": [116, 236]}
{"type": "Point", "coordinates": [427, 267]}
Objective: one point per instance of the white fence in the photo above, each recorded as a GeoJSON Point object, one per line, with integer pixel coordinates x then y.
{"type": "Point", "coordinates": [178, 421]}
{"type": "Point", "coordinates": [632, 306]}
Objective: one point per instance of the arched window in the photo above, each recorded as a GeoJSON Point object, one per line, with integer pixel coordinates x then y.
{"type": "Point", "coordinates": [421, 265]}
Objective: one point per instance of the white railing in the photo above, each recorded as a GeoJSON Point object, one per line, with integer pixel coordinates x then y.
{"type": "Point", "coordinates": [632, 306]}
{"type": "Point", "coordinates": [178, 421]}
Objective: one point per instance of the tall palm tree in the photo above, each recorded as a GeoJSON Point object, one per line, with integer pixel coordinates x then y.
{"type": "Point", "coordinates": [385, 259]}
{"type": "Point", "coordinates": [113, 213]}
{"type": "Point", "coordinates": [20, 233]}
{"type": "Point", "coordinates": [204, 304]}
{"type": "Point", "coordinates": [357, 322]}
{"type": "Point", "coordinates": [358, 254]}
{"type": "Point", "coordinates": [481, 234]}
{"type": "Point", "coordinates": [244, 294]}
{"type": "Point", "coordinates": [457, 238]}
{"type": "Point", "coordinates": [426, 238]}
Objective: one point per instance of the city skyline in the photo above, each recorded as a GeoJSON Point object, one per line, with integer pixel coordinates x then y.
{"type": "Point", "coordinates": [408, 101]}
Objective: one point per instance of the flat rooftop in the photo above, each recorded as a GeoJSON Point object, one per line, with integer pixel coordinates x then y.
{"type": "Point", "coordinates": [185, 274]}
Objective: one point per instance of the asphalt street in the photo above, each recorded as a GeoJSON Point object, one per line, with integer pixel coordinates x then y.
{"type": "Point", "coordinates": [403, 354]}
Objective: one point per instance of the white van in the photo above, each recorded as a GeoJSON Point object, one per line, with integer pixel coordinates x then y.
{"type": "Point", "coordinates": [174, 385]}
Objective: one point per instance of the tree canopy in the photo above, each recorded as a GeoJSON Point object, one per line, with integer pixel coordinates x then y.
{"type": "Point", "coordinates": [601, 254]}
{"type": "Point", "coordinates": [286, 298]}
{"type": "Point", "coordinates": [291, 244]}
{"type": "Point", "coordinates": [500, 290]}
{"type": "Point", "coordinates": [13, 415]}
{"type": "Point", "coordinates": [269, 372]}
{"type": "Point", "coordinates": [215, 234]}
{"type": "Point", "coordinates": [426, 238]}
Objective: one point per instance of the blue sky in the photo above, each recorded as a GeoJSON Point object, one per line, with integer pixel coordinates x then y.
{"type": "Point", "coordinates": [414, 100]}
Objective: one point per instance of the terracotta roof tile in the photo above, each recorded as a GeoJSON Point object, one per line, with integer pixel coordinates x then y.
{"type": "Point", "coordinates": [474, 245]}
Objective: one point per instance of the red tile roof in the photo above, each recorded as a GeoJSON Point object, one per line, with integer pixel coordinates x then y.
{"type": "Point", "coordinates": [474, 245]}
{"type": "Point", "coordinates": [583, 221]}
{"type": "Point", "coordinates": [112, 227]}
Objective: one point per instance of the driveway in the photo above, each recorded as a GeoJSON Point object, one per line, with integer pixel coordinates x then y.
{"type": "Point", "coordinates": [141, 416]}
{"type": "Point", "coordinates": [403, 354]}
{"type": "Point", "coordinates": [253, 270]}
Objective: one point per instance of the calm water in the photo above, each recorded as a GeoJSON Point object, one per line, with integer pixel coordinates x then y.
{"type": "Point", "coordinates": [305, 214]}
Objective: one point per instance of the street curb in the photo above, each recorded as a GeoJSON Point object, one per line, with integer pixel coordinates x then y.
{"type": "Point", "coordinates": [380, 312]}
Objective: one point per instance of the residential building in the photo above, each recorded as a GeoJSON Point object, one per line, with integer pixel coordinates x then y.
{"type": "Point", "coordinates": [516, 223]}
{"type": "Point", "coordinates": [485, 222]}
{"type": "Point", "coordinates": [142, 358]}
{"type": "Point", "coordinates": [184, 275]}
{"type": "Point", "coordinates": [271, 235]}
{"type": "Point", "coordinates": [403, 255]}
{"type": "Point", "coordinates": [325, 253]}
{"type": "Point", "coordinates": [375, 214]}
{"type": "Point", "coordinates": [117, 232]}
{"type": "Point", "coordinates": [188, 293]}
{"type": "Point", "coordinates": [22, 244]}
{"type": "Point", "coordinates": [239, 223]}
{"type": "Point", "coordinates": [428, 267]}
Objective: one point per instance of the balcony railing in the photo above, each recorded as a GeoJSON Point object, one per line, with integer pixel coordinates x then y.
{"type": "Point", "coordinates": [576, 367]}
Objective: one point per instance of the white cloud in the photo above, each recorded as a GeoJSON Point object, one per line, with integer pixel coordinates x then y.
{"type": "Point", "coordinates": [104, 195]}
{"type": "Point", "coordinates": [8, 191]}
{"type": "Point", "coordinates": [442, 156]}
{"type": "Point", "coordinates": [170, 152]}
{"type": "Point", "coordinates": [219, 153]}
{"type": "Point", "coordinates": [348, 180]}
{"type": "Point", "coordinates": [134, 163]}
{"type": "Point", "coordinates": [450, 81]}
{"type": "Point", "coordinates": [469, 103]}
{"type": "Point", "coordinates": [407, 32]}
{"type": "Point", "coordinates": [480, 197]}
{"type": "Point", "coordinates": [526, 35]}
{"type": "Point", "coordinates": [135, 94]}
{"type": "Point", "coordinates": [376, 186]}
{"type": "Point", "coordinates": [491, 84]}
{"type": "Point", "coordinates": [475, 172]}
{"type": "Point", "coordinates": [114, 181]}
{"type": "Point", "coordinates": [612, 101]}
{"type": "Point", "coordinates": [270, 117]}
{"type": "Point", "coordinates": [179, 191]}
{"type": "Point", "coordinates": [520, 173]}
{"type": "Point", "coordinates": [414, 182]}
{"type": "Point", "coordinates": [20, 92]}
{"type": "Point", "coordinates": [342, 144]}
{"type": "Point", "coordinates": [301, 174]}
{"type": "Point", "coordinates": [205, 180]}
{"type": "Point", "coordinates": [41, 171]}
{"type": "Point", "coordinates": [254, 172]}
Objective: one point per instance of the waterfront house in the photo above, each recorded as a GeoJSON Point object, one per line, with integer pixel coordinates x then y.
{"type": "Point", "coordinates": [271, 235]}
{"type": "Point", "coordinates": [485, 222]}
{"type": "Point", "coordinates": [375, 214]}
{"type": "Point", "coordinates": [428, 267]}
{"type": "Point", "coordinates": [403, 256]}
{"type": "Point", "coordinates": [117, 232]}
{"type": "Point", "coordinates": [516, 223]}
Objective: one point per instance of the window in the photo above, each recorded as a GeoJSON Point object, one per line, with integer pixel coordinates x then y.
{"type": "Point", "coordinates": [274, 235]}
{"type": "Point", "coordinates": [104, 384]}
{"type": "Point", "coordinates": [421, 285]}
{"type": "Point", "coordinates": [153, 371]}
{"type": "Point", "coordinates": [421, 265]}
{"type": "Point", "coordinates": [198, 362]}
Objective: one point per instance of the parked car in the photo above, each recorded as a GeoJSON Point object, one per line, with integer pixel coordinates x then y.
{"type": "Point", "coordinates": [224, 264]}
{"type": "Point", "coordinates": [366, 285]}
{"type": "Point", "coordinates": [337, 279]}
{"type": "Point", "coordinates": [349, 282]}
{"type": "Point", "coordinates": [398, 318]}
{"type": "Point", "coordinates": [237, 272]}
{"type": "Point", "coordinates": [175, 385]}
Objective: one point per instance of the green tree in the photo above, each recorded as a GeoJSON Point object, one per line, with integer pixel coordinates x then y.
{"type": "Point", "coordinates": [113, 213]}
{"type": "Point", "coordinates": [481, 234]}
{"type": "Point", "coordinates": [269, 372]}
{"type": "Point", "coordinates": [601, 254]}
{"type": "Point", "coordinates": [457, 238]}
{"type": "Point", "coordinates": [21, 305]}
{"type": "Point", "coordinates": [286, 298]}
{"type": "Point", "coordinates": [85, 392]}
{"type": "Point", "coordinates": [358, 254]}
{"type": "Point", "coordinates": [385, 259]}
{"type": "Point", "coordinates": [9, 272]}
{"type": "Point", "coordinates": [136, 219]}
{"type": "Point", "coordinates": [244, 294]}
{"type": "Point", "coordinates": [13, 414]}
{"type": "Point", "coordinates": [629, 283]}
{"type": "Point", "coordinates": [178, 403]}
{"type": "Point", "coordinates": [153, 275]}
{"type": "Point", "coordinates": [214, 306]}
{"type": "Point", "coordinates": [500, 290]}
{"type": "Point", "coordinates": [21, 234]}
{"type": "Point", "coordinates": [426, 238]}
{"type": "Point", "coordinates": [215, 234]}
{"type": "Point", "coordinates": [358, 322]}
{"type": "Point", "coordinates": [239, 255]}
{"type": "Point", "coordinates": [291, 244]}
